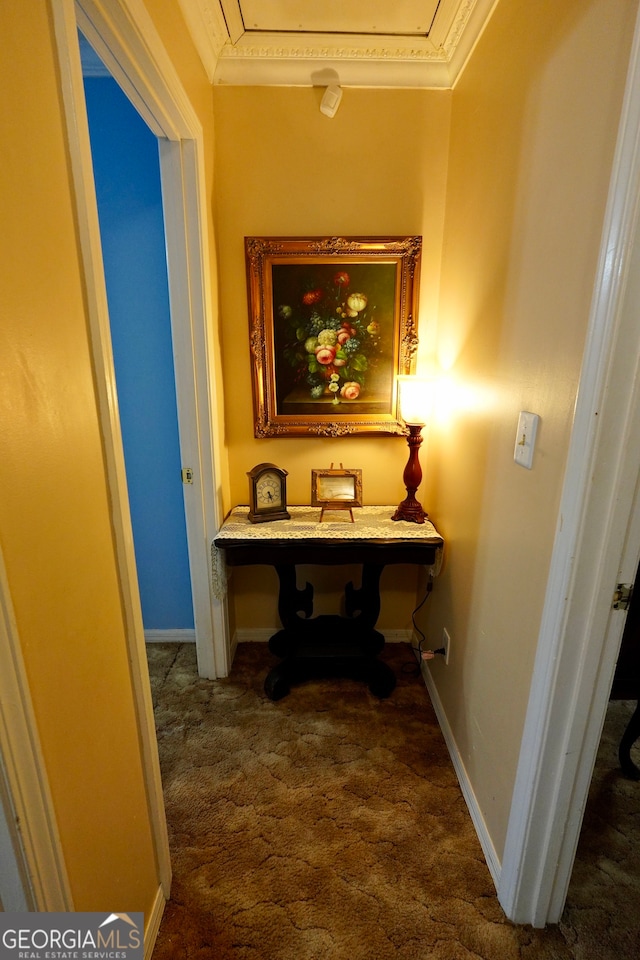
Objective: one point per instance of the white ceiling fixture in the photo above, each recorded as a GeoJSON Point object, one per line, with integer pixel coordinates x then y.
{"type": "Point", "coordinates": [377, 43]}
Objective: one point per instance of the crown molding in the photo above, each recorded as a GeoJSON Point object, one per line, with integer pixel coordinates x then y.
{"type": "Point", "coordinates": [206, 24]}
{"type": "Point", "coordinates": [276, 59]}
{"type": "Point", "coordinates": [234, 56]}
{"type": "Point", "coordinates": [320, 46]}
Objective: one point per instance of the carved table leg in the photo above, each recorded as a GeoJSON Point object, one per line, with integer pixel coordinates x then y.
{"type": "Point", "coordinates": [328, 646]}
{"type": "Point", "coordinates": [366, 602]}
{"type": "Point", "coordinates": [291, 601]}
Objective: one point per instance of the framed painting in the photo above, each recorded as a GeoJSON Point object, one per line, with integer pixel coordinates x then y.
{"type": "Point", "coordinates": [332, 321]}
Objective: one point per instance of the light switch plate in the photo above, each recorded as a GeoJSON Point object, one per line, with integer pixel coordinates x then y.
{"type": "Point", "coordinates": [525, 438]}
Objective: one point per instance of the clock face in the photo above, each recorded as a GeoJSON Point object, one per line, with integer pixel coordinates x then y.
{"type": "Point", "coordinates": [268, 491]}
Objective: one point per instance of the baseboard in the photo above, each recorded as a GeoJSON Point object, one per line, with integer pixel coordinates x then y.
{"type": "Point", "coordinates": [152, 926]}
{"type": "Point", "coordinates": [397, 636]}
{"type": "Point", "coordinates": [493, 861]}
{"type": "Point", "coordinates": [169, 636]}
{"type": "Point", "coordinates": [253, 635]}
{"type": "Point", "coordinates": [262, 635]}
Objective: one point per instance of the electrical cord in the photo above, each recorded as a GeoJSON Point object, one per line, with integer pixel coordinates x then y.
{"type": "Point", "coordinates": [419, 652]}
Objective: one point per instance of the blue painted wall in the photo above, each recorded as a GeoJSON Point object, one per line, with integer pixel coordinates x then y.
{"type": "Point", "coordinates": [127, 176]}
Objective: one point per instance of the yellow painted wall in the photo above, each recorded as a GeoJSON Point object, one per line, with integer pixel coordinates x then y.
{"type": "Point", "coordinates": [55, 529]}
{"type": "Point", "coordinates": [520, 156]}
{"type": "Point", "coordinates": [534, 122]}
{"type": "Point", "coordinates": [282, 168]}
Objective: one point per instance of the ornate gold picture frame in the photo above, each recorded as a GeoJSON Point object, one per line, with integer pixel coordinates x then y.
{"type": "Point", "coordinates": [332, 321]}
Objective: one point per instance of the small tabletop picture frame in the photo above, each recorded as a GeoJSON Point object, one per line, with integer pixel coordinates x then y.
{"type": "Point", "coordinates": [336, 489]}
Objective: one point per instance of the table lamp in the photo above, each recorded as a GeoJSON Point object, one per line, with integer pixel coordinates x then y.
{"type": "Point", "coordinates": [414, 401]}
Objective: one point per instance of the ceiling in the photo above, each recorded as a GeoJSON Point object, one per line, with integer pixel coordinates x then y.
{"type": "Point", "coordinates": [372, 43]}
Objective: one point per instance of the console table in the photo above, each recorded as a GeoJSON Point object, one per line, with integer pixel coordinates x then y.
{"type": "Point", "coordinates": [322, 646]}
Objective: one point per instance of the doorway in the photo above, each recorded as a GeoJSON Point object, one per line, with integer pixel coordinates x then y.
{"type": "Point", "coordinates": [626, 680]}
{"type": "Point", "coordinates": [126, 171]}
{"type": "Point", "coordinates": [126, 41]}
{"type": "Point", "coordinates": [132, 52]}
{"type": "Point", "coordinates": [597, 546]}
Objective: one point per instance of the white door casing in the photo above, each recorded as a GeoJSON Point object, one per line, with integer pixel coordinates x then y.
{"type": "Point", "coordinates": [597, 545]}
{"type": "Point", "coordinates": [124, 36]}
{"type": "Point", "coordinates": [596, 542]}
{"type": "Point", "coordinates": [33, 875]}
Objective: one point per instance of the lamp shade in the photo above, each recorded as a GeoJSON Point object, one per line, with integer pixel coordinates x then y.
{"type": "Point", "coordinates": [415, 398]}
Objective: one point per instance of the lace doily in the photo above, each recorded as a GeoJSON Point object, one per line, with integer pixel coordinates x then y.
{"type": "Point", "coordinates": [369, 523]}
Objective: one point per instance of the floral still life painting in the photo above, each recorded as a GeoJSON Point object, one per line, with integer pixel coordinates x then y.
{"type": "Point", "coordinates": [332, 323]}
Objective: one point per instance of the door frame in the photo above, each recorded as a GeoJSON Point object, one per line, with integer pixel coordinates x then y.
{"type": "Point", "coordinates": [597, 540]}
{"type": "Point", "coordinates": [124, 36]}
{"type": "Point", "coordinates": [597, 545]}
{"type": "Point", "coordinates": [35, 877]}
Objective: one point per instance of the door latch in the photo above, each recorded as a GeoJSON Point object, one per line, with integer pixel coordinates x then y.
{"type": "Point", "coordinates": [622, 596]}
{"type": "Point", "coordinates": [187, 475]}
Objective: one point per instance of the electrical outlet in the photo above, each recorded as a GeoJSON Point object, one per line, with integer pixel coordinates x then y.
{"type": "Point", "coordinates": [446, 642]}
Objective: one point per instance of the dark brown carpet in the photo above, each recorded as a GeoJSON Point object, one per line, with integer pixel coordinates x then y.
{"type": "Point", "coordinates": [328, 825]}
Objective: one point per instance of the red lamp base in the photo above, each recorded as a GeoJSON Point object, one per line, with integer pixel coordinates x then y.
{"type": "Point", "coordinates": [410, 509]}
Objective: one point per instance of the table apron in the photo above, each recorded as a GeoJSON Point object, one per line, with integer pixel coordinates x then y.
{"type": "Point", "coordinates": [241, 553]}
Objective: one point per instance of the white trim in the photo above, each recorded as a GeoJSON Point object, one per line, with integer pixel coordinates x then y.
{"type": "Point", "coordinates": [579, 636]}
{"type": "Point", "coordinates": [248, 63]}
{"type": "Point", "coordinates": [15, 889]}
{"type": "Point", "coordinates": [155, 90]}
{"type": "Point", "coordinates": [205, 21]}
{"type": "Point", "coordinates": [184, 198]}
{"type": "Point", "coordinates": [169, 636]}
{"type": "Point", "coordinates": [463, 51]}
{"type": "Point", "coordinates": [263, 634]}
{"type": "Point", "coordinates": [232, 14]}
{"type": "Point", "coordinates": [152, 926]}
{"type": "Point", "coordinates": [38, 856]}
{"type": "Point", "coordinates": [253, 635]}
{"type": "Point", "coordinates": [123, 35]}
{"type": "Point", "coordinates": [397, 636]}
{"type": "Point", "coordinates": [64, 13]}
{"type": "Point", "coordinates": [490, 855]}
{"type": "Point", "coordinates": [116, 29]}
{"type": "Point", "coordinates": [258, 57]}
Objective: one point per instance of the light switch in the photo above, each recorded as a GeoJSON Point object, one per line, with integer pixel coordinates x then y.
{"type": "Point", "coordinates": [525, 438]}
